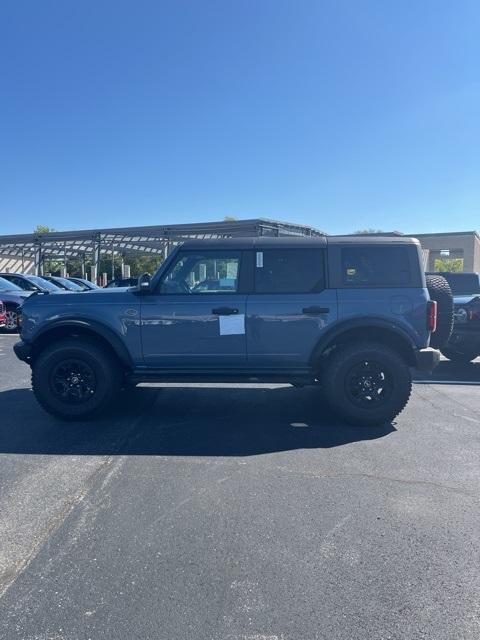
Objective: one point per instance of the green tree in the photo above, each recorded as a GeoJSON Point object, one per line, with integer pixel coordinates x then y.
{"type": "Point", "coordinates": [41, 228]}
{"type": "Point", "coordinates": [229, 219]}
{"type": "Point", "coordinates": [449, 264]}
{"type": "Point", "coordinates": [364, 231]}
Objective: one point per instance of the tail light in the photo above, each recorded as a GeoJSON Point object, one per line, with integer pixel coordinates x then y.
{"type": "Point", "coordinates": [432, 315]}
{"type": "Point", "coordinates": [2, 309]}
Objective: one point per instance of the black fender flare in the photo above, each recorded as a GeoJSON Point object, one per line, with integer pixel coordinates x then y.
{"type": "Point", "coordinates": [331, 335]}
{"type": "Point", "coordinates": [92, 327]}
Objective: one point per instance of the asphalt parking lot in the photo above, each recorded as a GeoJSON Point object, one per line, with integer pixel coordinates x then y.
{"type": "Point", "coordinates": [210, 512]}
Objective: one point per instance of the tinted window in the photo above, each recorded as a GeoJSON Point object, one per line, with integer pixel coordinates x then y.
{"type": "Point", "coordinates": [43, 284]}
{"type": "Point", "coordinates": [375, 266]}
{"type": "Point", "coordinates": [66, 284]}
{"type": "Point", "coordinates": [23, 284]}
{"type": "Point", "coordinates": [289, 271]}
{"type": "Point", "coordinates": [6, 285]}
{"type": "Point", "coordinates": [200, 273]}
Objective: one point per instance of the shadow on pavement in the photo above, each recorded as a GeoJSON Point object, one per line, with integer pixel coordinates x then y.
{"type": "Point", "coordinates": [183, 421]}
{"type": "Point", "coordinates": [453, 372]}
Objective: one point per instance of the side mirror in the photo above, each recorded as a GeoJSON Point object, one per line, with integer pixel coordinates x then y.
{"type": "Point", "coordinates": [144, 282]}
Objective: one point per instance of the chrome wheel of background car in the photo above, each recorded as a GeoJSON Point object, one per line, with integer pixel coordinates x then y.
{"type": "Point", "coordinates": [73, 381]}
{"type": "Point", "coordinates": [11, 323]}
{"type": "Point", "coordinates": [368, 385]}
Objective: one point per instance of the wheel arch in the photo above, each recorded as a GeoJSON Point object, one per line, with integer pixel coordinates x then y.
{"type": "Point", "coordinates": [371, 330]}
{"type": "Point", "coordinates": [92, 331]}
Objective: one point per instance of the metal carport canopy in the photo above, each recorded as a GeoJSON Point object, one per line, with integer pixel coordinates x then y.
{"type": "Point", "coordinates": [135, 240]}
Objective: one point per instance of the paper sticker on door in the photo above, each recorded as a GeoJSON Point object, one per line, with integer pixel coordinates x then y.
{"type": "Point", "coordinates": [232, 325]}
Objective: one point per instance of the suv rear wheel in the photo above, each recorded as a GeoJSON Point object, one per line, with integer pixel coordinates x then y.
{"type": "Point", "coordinates": [75, 379]}
{"type": "Point", "coordinates": [367, 383]}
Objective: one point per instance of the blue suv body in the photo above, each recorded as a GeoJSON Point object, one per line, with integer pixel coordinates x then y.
{"type": "Point", "coordinates": [351, 314]}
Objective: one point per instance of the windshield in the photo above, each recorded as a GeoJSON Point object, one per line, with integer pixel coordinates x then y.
{"type": "Point", "coordinates": [71, 286]}
{"type": "Point", "coordinates": [43, 284]}
{"type": "Point", "coordinates": [5, 285]}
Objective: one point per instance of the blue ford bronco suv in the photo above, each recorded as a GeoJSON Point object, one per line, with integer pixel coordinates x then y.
{"type": "Point", "coordinates": [352, 315]}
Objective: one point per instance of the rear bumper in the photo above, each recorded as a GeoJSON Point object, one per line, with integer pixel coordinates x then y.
{"type": "Point", "coordinates": [22, 350]}
{"type": "Point", "coordinates": [427, 359]}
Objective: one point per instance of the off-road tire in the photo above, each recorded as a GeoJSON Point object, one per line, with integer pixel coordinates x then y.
{"type": "Point", "coordinates": [107, 375]}
{"type": "Point", "coordinates": [462, 357]}
{"type": "Point", "coordinates": [337, 377]}
{"type": "Point", "coordinates": [440, 291]}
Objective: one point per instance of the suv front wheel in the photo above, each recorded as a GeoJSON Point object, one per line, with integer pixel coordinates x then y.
{"type": "Point", "coordinates": [75, 379]}
{"type": "Point", "coordinates": [367, 383]}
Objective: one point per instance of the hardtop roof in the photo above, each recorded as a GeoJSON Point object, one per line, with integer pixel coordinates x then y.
{"type": "Point", "coordinates": [295, 241]}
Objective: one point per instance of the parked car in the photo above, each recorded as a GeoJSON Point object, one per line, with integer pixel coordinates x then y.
{"type": "Point", "coordinates": [122, 282]}
{"type": "Point", "coordinates": [464, 343]}
{"type": "Point", "coordinates": [85, 285]}
{"type": "Point", "coordinates": [63, 283]}
{"type": "Point", "coordinates": [13, 297]}
{"type": "Point", "coordinates": [3, 315]}
{"type": "Point", "coordinates": [31, 283]}
{"type": "Point", "coordinates": [349, 314]}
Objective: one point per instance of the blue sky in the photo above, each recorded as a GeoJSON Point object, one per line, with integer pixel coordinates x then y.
{"type": "Point", "coordinates": [339, 114]}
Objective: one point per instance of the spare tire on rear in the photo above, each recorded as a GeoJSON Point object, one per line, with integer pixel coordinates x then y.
{"type": "Point", "coordinates": [440, 291]}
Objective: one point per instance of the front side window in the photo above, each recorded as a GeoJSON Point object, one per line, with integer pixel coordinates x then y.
{"type": "Point", "coordinates": [203, 272]}
{"type": "Point", "coordinates": [375, 267]}
{"type": "Point", "coordinates": [24, 284]}
{"type": "Point", "coordinates": [289, 271]}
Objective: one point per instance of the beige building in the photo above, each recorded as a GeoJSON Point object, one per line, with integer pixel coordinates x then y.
{"type": "Point", "coordinates": [459, 244]}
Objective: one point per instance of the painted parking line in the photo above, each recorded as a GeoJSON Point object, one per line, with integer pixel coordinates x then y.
{"type": "Point", "coordinates": [456, 382]}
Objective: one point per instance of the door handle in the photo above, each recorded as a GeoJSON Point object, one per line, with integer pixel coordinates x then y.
{"type": "Point", "coordinates": [315, 311]}
{"type": "Point", "coordinates": [224, 311]}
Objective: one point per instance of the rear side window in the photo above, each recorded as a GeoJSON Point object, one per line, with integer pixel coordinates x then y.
{"type": "Point", "coordinates": [375, 267]}
{"type": "Point", "coordinates": [289, 271]}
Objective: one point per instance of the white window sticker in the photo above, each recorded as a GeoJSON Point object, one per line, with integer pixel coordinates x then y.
{"type": "Point", "coordinates": [232, 325]}
{"type": "Point", "coordinates": [259, 259]}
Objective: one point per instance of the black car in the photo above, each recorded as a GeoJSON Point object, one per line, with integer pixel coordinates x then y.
{"type": "Point", "coordinates": [464, 343]}
{"type": "Point", "coordinates": [31, 283]}
{"type": "Point", "coordinates": [13, 297]}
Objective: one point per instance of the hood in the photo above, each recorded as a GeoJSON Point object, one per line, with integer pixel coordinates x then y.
{"type": "Point", "coordinates": [18, 297]}
{"type": "Point", "coordinates": [80, 298]}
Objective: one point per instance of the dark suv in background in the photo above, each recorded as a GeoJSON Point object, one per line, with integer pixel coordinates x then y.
{"type": "Point", "coordinates": [464, 343]}
{"type": "Point", "coordinates": [351, 315]}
